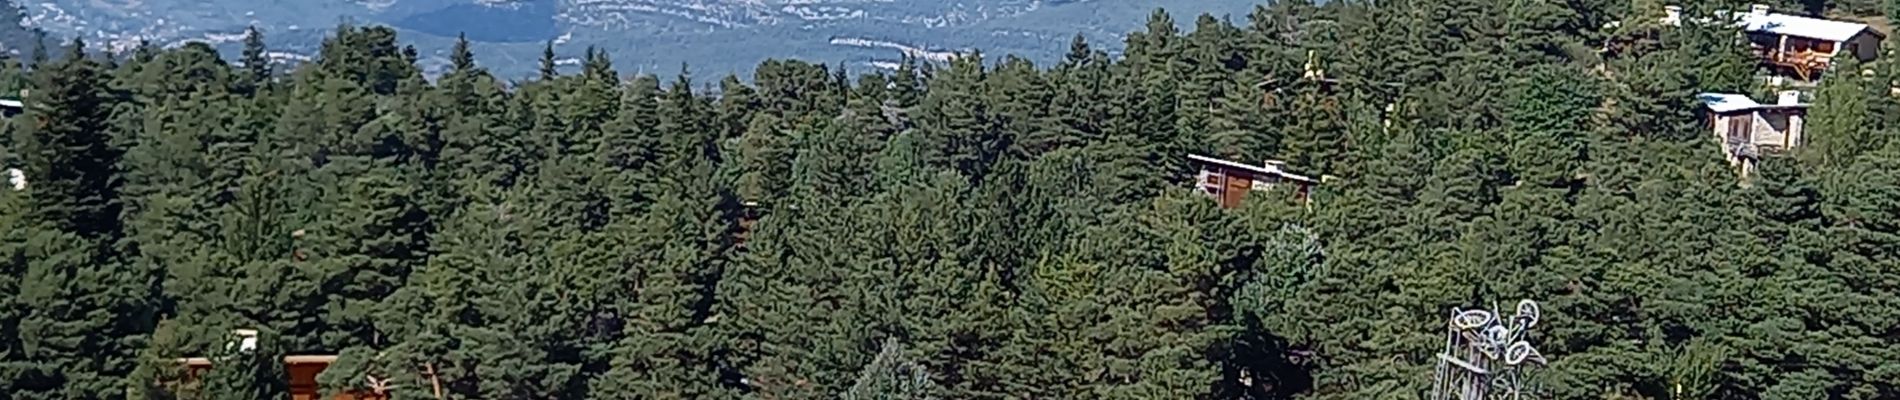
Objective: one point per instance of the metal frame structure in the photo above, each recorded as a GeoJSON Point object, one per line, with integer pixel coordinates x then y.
{"type": "Point", "coordinates": [1487, 357]}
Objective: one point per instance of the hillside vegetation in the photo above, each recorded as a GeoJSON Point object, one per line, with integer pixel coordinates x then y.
{"type": "Point", "coordinates": [985, 228]}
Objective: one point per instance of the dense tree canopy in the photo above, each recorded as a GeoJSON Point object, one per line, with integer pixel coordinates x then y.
{"type": "Point", "coordinates": [983, 228]}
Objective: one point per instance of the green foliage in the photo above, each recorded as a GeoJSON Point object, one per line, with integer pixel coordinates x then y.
{"type": "Point", "coordinates": [891, 377]}
{"type": "Point", "coordinates": [1843, 122]}
{"type": "Point", "coordinates": [975, 230]}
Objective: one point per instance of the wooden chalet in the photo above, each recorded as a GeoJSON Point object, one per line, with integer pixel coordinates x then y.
{"type": "Point", "coordinates": [300, 370]}
{"type": "Point", "coordinates": [1229, 182]}
{"type": "Point", "coordinates": [1748, 130]}
{"type": "Point", "coordinates": [1802, 46]}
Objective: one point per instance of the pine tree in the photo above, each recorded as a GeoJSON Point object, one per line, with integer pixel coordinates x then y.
{"type": "Point", "coordinates": [82, 313]}
{"type": "Point", "coordinates": [255, 60]}
{"type": "Point", "coordinates": [1840, 128]}
{"type": "Point", "coordinates": [173, 192]}
{"type": "Point", "coordinates": [68, 153]}
{"type": "Point", "coordinates": [83, 322]}
{"type": "Point", "coordinates": [13, 236]}
{"type": "Point", "coordinates": [683, 244]}
{"type": "Point", "coordinates": [891, 377]}
{"type": "Point", "coordinates": [1546, 126]}
{"type": "Point", "coordinates": [548, 72]}
{"type": "Point", "coordinates": [956, 121]}
{"type": "Point", "coordinates": [764, 161]}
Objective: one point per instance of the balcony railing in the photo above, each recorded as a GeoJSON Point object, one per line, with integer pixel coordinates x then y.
{"type": "Point", "coordinates": [1805, 64]}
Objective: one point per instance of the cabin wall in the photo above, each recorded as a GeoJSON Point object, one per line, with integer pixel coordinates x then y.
{"type": "Point", "coordinates": [1779, 129]}
{"type": "Point", "coordinates": [1770, 130]}
{"type": "Point", "coordinates": [1865, 46]}
{"type": "Point", "coordinates": [303, 380]}
{"type": "Point", "coordinates": [1729, 128]}
{"type": "Point", "coordinates": [1238, 185]}
{"type": "Point", "coordinates": [1797, 125]}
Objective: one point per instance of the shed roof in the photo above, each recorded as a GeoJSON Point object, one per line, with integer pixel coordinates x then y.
{"type": "Point", "coordinates": [1268, 169]}
{"type": "Point", "coordinates": [1795, 25]}
{"type": "Point", "coordinates": [1726, 102]}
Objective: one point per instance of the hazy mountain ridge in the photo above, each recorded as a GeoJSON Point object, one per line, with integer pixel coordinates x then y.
{"type": "Point", "coordinates": [715, 36]}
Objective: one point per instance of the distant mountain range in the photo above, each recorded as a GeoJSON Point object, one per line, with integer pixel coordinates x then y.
{"type": "Point", "coordinates": [714, 36]}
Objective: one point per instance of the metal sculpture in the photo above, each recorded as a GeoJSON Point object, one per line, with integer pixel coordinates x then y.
{"type": "Point", "coordinates": [1487, 357]}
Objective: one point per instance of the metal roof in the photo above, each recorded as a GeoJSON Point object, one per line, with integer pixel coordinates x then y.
{"type": "Point", "coordinates": [1725, 102]}
{"type": "Point", "coordinates": [1730, 102]}
{"type": "Point", "coordinates": [1268, 169]}
{"type": "Point", "coordinates": [1758, 20]}
{"type": "Point", "coordinates": [1794, 25]}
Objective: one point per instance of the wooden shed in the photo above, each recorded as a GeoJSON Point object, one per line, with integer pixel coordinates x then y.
{"type": "Point", "coordinates": [1229, 182]}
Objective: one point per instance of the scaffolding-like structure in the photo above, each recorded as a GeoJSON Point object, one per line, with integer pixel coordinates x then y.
{"type": "Point", "coordinates": [1487, 357]}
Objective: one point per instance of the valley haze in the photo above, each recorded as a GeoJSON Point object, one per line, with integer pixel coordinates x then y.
{"type": "Point", "coordinates": [710, 37]}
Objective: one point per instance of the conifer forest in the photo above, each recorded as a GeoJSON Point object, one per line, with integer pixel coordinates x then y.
{"type": "Point", "coordinates": [982, 228]}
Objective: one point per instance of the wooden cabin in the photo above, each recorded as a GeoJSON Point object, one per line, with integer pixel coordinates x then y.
{"type": "Point", "coordinates": [1748, 130]}
{"type": "Point", "coordinates": [301, 370]}
{"type": "Point", "coordinates": [1229, 182]}
{"type": "Point", "coordinates": [1801, 46]}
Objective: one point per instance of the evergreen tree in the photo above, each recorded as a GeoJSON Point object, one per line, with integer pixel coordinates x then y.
{"type": "Point", "coordinates": [547, 63]}
{"type": "Point", "coordinates": [82, 314]}
{"type": "Point", "coordinates": [891, 377]}
{"type": "Point", "coordinates": [68, 151]}
{"type": "Point", "coordinates": [963, 230]}
{"type": "Point", "coordinates": [255, 60]}
{"type": "Point", "coordinates": [1841, 126]}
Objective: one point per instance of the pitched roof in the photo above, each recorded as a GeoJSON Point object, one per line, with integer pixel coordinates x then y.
{"type": "Point", "coordinates": [1794, 25]}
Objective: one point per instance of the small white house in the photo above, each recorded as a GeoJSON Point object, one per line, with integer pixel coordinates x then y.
{"type": "Point", "coordinates": [1748, 130]}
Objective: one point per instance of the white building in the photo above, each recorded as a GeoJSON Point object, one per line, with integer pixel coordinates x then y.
{"type": "Point", "coordinates": [1748, 130]}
